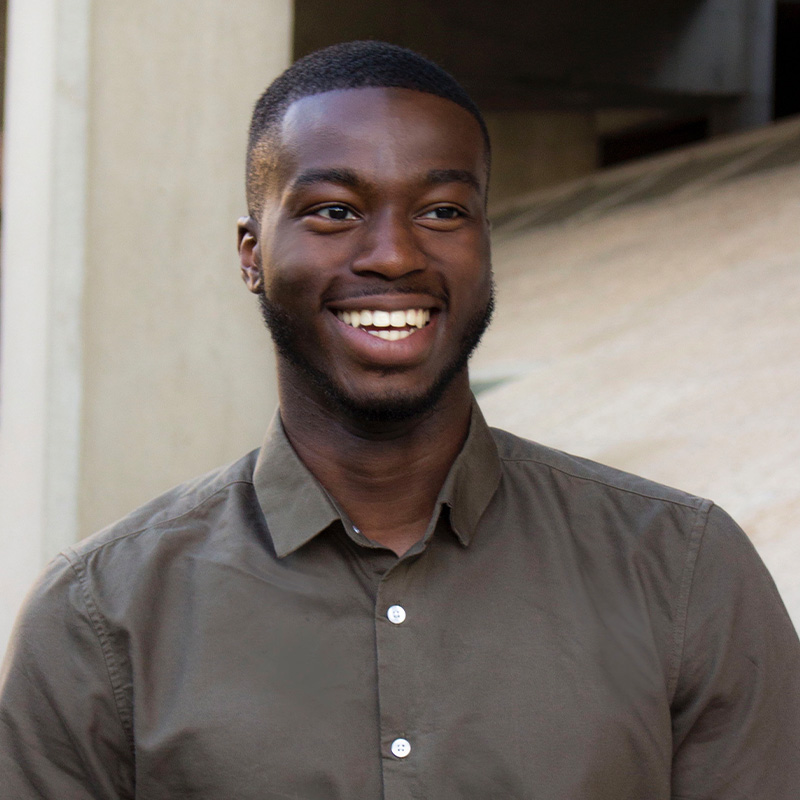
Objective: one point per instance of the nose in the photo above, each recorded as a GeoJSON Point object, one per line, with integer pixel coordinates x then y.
{"type": "Point", "coordinates": [390, 247]}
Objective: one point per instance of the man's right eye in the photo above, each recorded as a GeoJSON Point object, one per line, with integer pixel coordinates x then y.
{"type": "Point", "coordinates": [336, 213]}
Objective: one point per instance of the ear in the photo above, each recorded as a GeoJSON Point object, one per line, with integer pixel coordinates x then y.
{"type": "Point", "coordinates": [249, 253]}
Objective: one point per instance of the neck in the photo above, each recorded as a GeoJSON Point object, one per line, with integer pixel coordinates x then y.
{"type": "Point", "coordinates": [385, 476]}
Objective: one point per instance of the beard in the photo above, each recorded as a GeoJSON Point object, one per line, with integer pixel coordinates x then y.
{"type": "Point", "coordinates": [287, 334]}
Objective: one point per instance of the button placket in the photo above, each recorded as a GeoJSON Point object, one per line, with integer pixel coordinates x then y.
{"type": "Point", "coordinates": [395, 635]}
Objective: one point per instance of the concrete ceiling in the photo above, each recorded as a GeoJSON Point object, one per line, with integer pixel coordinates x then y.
{"type": "Point", "coordinates": [564, 54]}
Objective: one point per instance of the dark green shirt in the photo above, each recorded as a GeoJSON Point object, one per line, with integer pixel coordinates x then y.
{"type": "Point", "coordinates": [564, 631]}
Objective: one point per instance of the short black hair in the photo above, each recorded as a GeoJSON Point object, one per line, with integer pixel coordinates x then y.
{"type": "Point", "coordinates": [349, 65]}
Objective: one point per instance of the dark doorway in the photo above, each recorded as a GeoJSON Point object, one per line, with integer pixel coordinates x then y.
{"type": "Point", "coordinates": [787, 60]}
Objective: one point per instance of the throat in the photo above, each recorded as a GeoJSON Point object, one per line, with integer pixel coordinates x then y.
{"type": "Point", "coordinates": [386, 480]}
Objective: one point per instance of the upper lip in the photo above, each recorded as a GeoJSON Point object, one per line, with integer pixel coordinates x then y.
{"type": "Point", "coordinates": [386, 302]}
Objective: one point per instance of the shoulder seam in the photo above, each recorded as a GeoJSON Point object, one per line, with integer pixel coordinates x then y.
{"type": "Point", "coordinates": [684, 593]}
{"type": "Point", "coordinates": [103, 638]}
{"type": "Point", "coordinates": [606, 483]}
{"type": "Point", "coordinates": [158, 524]}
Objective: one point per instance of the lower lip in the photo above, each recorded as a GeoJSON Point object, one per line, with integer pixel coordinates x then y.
{"type": "Point", "coordinates": [383, 353]}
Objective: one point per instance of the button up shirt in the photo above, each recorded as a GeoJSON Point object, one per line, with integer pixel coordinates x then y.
{"type": "Point", "coordinates": [563, 631]}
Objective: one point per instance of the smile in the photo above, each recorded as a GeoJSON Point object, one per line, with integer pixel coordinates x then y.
{"type": "Point", "coordinates": [388, 325]}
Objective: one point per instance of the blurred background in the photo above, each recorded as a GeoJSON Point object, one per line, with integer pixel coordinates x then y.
{"type": "Point", "coordinates": [646, 224]}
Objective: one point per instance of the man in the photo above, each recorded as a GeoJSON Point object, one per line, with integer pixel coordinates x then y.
{"type": "Point", "coordinates": [390, 599]}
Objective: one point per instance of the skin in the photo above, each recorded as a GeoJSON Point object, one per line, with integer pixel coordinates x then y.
{"type": "Point", "coordinates": [387, 213]}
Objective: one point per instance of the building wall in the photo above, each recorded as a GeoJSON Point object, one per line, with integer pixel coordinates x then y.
{"type": "Point", "coordinates": [180, 380]}
{"type": "Point", "coordinates": [132, 356]}
{"type": "Point", "coordinates": [535, 149]}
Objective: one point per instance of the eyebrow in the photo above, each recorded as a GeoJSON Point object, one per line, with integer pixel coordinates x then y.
{"type": "Point", "coordinates": [436, 176]}
{"type": "Point", "coordinates": [310, 177]}
{"type": "Point", "coordinates": [346, 177]}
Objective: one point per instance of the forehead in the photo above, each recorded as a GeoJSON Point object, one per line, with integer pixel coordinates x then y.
{"type": "Point", "coordinates": [383, 129]}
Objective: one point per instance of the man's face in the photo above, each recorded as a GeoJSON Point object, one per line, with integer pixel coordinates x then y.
{"type": "Point", "coordinates": [373, 248]}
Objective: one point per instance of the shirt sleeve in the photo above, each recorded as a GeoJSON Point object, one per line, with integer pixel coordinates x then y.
{"type": "Point", "coordinates": [61, 720]}
{"type": "Point", "coordinates": [736, 709]}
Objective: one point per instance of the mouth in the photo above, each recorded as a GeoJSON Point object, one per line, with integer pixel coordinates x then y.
{"type": "Point", "coordinates": [388, 325]}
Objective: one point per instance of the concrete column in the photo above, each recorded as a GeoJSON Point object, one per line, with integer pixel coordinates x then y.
{"type": "Point", "coordinates": [132, 356]}
{"type": "Point", "coordinates": [725, 48]}
{"type": "Point", "coordinates": [44, 236]}
{"type": "Point", "coordinates": [754, 108]}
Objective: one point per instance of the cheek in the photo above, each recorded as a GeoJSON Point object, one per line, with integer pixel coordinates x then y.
{"type": "Point", "coordinates": [289, 273]}
{"type": "Point", "coordinates": [305, 262]}
{"type": "Point", "coordinates": [466, 260]}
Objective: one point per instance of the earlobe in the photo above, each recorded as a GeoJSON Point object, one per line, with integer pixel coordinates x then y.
{"type": "Point", "coordinates": [249, 255]}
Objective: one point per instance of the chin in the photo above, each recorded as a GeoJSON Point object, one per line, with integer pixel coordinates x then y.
{"type": "Point", "coordinates": [389, 407]}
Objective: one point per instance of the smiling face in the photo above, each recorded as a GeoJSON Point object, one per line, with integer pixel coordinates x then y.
{"type": "Point", "coordinates": [372, 251]}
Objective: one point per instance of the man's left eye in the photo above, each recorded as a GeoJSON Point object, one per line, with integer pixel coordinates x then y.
{"type": "Point", "coordinates": [336, 213]}
{"type": "Point", "coordinates": [442, 212]}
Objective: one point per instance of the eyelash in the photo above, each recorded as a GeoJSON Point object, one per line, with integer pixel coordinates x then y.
{"type": "Point", "coordinates": [338, 207]}
{"type": "Point", "coordinates": [454, 211]}
{"type": "Point", "coordinates": [457, 212]}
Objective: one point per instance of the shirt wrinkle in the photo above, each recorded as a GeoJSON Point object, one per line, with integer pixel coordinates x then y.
{"type": "Point", "coordinates": [112, 668]}
{"type": "Point", "coordinates": [82, 551]}
{"type": "Point", "coordinates": [607, 484]}
{"type": "Point", "coordinates": [684, 596]}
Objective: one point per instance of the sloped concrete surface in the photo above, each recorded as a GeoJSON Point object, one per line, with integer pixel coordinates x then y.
{"type": "Point", "coordinates": [664, 339]}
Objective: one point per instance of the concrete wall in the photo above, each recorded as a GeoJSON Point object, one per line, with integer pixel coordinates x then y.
{"type": "Point", "coordinates": [532, 150]}
{"type": "Point", "coordinates": [725, 47]}
{"type": "Point", "coordinates": [180, 378]}
{"type": "Point", "coordinates": [132, 356]}
{"type": "Point", "coordinates": [535, 149]}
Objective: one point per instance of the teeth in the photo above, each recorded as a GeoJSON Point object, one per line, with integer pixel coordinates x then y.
{"type": "Point", "coordinates": [398, 321]}
{"type": "Point", "coordinates": [392, 335]}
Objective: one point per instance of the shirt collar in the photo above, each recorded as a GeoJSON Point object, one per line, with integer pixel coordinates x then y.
{"type": "Point", "coordinates": [294, 503]}
{"type": "Point", "coordinates": [472, 480]}
{"type": "Point", "coordinates": [297, 507]}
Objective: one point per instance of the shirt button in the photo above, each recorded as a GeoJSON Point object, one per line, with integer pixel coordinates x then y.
{"type": "Point", "coordinates": [401, 748]}
{"type": "Point", "coordinates": [397, 614]}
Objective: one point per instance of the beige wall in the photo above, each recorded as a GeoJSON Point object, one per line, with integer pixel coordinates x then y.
{"type": "Point", "coordinates": [132, 356]}
{"type": "Point", "coordinates": [178, 381]}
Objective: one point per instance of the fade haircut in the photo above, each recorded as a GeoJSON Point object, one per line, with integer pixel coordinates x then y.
{"type": "Point", "coordinates": [350, 65]}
